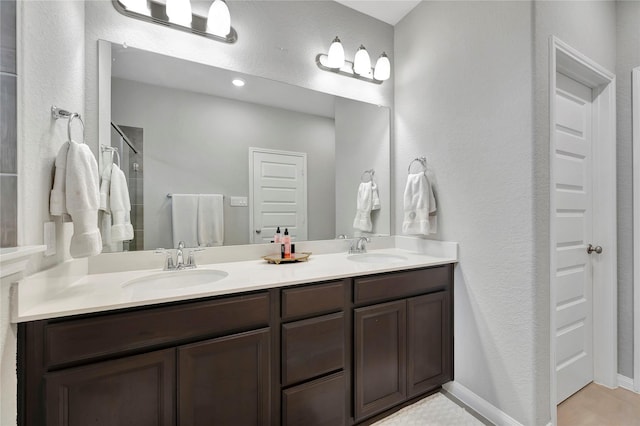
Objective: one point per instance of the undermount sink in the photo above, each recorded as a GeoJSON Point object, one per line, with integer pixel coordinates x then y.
{"type": "Point", "coordinates": [377, 258]}
{"type": "Point", "coordinates": [173, 280]}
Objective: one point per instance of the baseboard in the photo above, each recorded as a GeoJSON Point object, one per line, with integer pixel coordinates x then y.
{"type": "Point", "coordinates": [480, 405]}
{"type": "Point", "coordinates": [626, 383]}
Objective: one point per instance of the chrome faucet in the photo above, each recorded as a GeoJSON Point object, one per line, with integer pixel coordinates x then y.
{"type": "Point", "coordinates": [359, 245]}
{"type": "Point", "coordinates": [179, 264]}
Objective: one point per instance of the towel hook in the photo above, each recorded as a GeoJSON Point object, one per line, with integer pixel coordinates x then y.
{"type": "Point", "coordinates": [370, 172]}
{"type": "Point", "coordinates": [423, 162]}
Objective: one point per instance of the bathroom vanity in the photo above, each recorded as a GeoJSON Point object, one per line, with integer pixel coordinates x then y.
{"type": "Point", "coordinates": [333, 352]}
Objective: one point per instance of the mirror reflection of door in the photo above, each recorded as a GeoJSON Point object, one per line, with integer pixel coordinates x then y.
{"type": "Point", "coordinates": [278, 194]}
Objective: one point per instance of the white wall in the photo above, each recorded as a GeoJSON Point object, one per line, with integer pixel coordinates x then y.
{"type": "Point", "coordinates": [463, 98]}
{"type": "Point", "coordinates": [628, 57]}
{"type": "Point", "coordinates": [197, 143]}
{"type": "Point", "coordinates": [362, 143]}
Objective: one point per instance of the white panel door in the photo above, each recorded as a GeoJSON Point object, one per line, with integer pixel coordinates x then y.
{"type": "Point", "coordinates": [573, 284]}
{"type": "Point", "coordinates": [278, 194]}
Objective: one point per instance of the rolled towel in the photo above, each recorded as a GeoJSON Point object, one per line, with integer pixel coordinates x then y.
{"type": "Point", "coordinates": [121, 229]}
{"type": "Point", "coordinates": [57, 200]}
{"type": "Point", "coordinates": [83, 199]}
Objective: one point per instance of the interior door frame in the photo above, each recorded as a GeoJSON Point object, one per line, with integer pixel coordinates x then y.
{"type": "Point", "coordinates": [569, 61]}
{"type": "Point", "coordinates": [635, 108]}
{"type": "Point", "coordinates": [303, 155]}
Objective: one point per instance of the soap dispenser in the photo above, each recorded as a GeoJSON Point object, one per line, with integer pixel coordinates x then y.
{"type": "Point", "coordinates": [286, 240]}
{"type": "Point", "coordinates": [276, 237]}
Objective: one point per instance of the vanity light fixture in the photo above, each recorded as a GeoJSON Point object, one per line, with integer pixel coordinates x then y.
{"type": "Point", "coordinates": [211, 19]}
{"type": "Point", "coordinates": [219, 19]}
{"type": "Point", "coordinates": [335, 58]}
{"type": "Point", "coordinates": [362, 62]}
{"type": "Point", "coordinates": [238, 82]}
{"type": "Point", "coordinates": [382, 71]}
{"type": "Point", "coordinates": [179, 12]}
{"type": "Point", "coordinates": [360, 68]}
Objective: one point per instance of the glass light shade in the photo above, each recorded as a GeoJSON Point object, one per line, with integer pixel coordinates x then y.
{"type": "Point", "coordinates": [219, 19]}
{"type": "Point", "coordinates": [383, 68]}
{"type": "Point", "coordinates": [362, 62]}
{"type": "Point", "coordinates": [138, 6]}
{"type": "Point", "coordinates": [335, 58]}
{"type": "Point", "coordinates": [179, 12]}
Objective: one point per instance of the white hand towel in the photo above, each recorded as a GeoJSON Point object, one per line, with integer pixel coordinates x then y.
{"type": "Point", "coordinates": [184, 219]}
{"type": "Point", "coordinates": [375, 200]}
{"type": "Point", "coordinates": [57, 200]}
{"type": "Point", "coordinates": [120, 206]}
{"type": "Point", "coordinates": [106, 163]}
{"type": "Point", "coordinates": [364, 204]}
{"type": "Point", "coordinates": [83, 199]}
{"type": "Point", "coordinates": [210, 220]}
{"type": "Point", "coordinates": [419, 204]}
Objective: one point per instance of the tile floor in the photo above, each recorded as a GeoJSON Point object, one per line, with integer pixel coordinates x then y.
{"type": "Point", "coordinates": [597, 405]}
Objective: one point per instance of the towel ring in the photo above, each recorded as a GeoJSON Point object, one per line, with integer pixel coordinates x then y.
{"type": "Point", "coordinates": [422, 161]}
{"type": "Point", "coordinates": [71, 117]}
{"type": "Point", "coordinates": [112, 149]}
{"type": "Point", "coordinates": [370, 172]}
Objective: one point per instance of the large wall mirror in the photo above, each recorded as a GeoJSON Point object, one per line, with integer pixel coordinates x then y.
{"type": "Point", "coordinates": [279, 155]}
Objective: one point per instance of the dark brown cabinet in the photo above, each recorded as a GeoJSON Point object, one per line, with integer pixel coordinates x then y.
{"type": "Point", "coordinates": [403, 348]}
{"type": "Point", "coordinates": [380, 357]}
{"type": "Point", "coordinates": [323, 354]}
{"type": "Point", "coordinates": [137, 390]}
{"type": "Point", "coordinates": [225, 381]}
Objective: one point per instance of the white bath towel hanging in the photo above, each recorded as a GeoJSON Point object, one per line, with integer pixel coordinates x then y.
{"type": "Point", "coordinates": [120, 206]}
{"type": "Point", "coordinates": [419, 206]}
{"type": "Point", "coordinates": [184, 219]}
{"type": "Point", "coordinates": [82, 200]}
{"type": "Point", "coordinates": [106, 163]}
{"type": "Point", "coordinates": [364, 205]}
{"type": "Point", "coordinates": [210, 220]}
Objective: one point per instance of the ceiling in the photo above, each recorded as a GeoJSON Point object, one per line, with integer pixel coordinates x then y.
{"type": "Point", "coordinates": [389, 11]}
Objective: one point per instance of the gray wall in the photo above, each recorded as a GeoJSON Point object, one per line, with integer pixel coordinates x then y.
{"type": "Point", "coordinates": [464, 78]}
{"type": "Point", "coordinates": [197, 143]}
{"type": "Point", "coordinates": [362, 143]}
{"type": "Point", "coordinates": [628, 57]}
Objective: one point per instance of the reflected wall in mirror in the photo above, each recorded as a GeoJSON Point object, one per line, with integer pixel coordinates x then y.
{"type": "Point", "coordinates": [194, 131]}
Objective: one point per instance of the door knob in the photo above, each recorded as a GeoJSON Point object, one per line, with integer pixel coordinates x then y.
{"type": "Point", "coordinates": [258, 231]}
{"type": "Point", "coordinates": [591, 249]}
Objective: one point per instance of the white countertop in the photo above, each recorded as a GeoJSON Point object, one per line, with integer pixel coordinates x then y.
{"type": "Point", "coordinates": [72, 291]}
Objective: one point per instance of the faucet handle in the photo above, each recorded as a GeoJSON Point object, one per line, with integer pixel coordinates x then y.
{"type": "Point", "coordinates": [180, 245]}
{"type": "Point", "coordinates": [168, 260]}
{"type": "Point", "coordinates": [191, 260]}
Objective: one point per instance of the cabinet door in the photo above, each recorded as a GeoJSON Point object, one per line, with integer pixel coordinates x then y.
{"type": "Point", "coordinates": [137, 390]}
{"type": "Point", "coordinates": [321, 402]}
{"type": "Point", "coordinates": [380, 357]}
{"type": "Point", "coordinates": [429, 342]}
{"type": "Point", "coordinates": [225, 381]}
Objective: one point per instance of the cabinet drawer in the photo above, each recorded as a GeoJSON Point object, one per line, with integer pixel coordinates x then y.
{"type": "Point", "coordinates": [401, 284]}
{"type": "Point", "coordinates": [321, 402]}
{"type": "Point", "coordinates": [312, 299]}
{"type": "Point", "coordinates": [312, 347]}
{"type": "Point", "coordinates": [71, 341]}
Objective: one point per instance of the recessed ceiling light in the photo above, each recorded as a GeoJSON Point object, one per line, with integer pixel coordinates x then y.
{"type": "Point", "coordinates": [238, 82]}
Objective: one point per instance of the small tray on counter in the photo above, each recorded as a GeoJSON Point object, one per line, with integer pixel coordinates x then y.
{"type": "Point", "coordinates": [295, 257]}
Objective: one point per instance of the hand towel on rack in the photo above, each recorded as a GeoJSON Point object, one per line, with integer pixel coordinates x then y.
{"type": "Point", "coordinates": [57, 200]}
{"type": "Point", "coordinates": [364, 205]}
{"type": "Point", "coordinates": [106, 163]}
{"type": "Point", "coordinates": [184, 219]}
{"type": "Point", "coordinates": [120, 206]}
{"type": "Point", "coordinates": [419, 206]}
{"type": "Point", "coordinates": [210, 220]}
{"type": "Point", "coordinates": [82, 199]}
